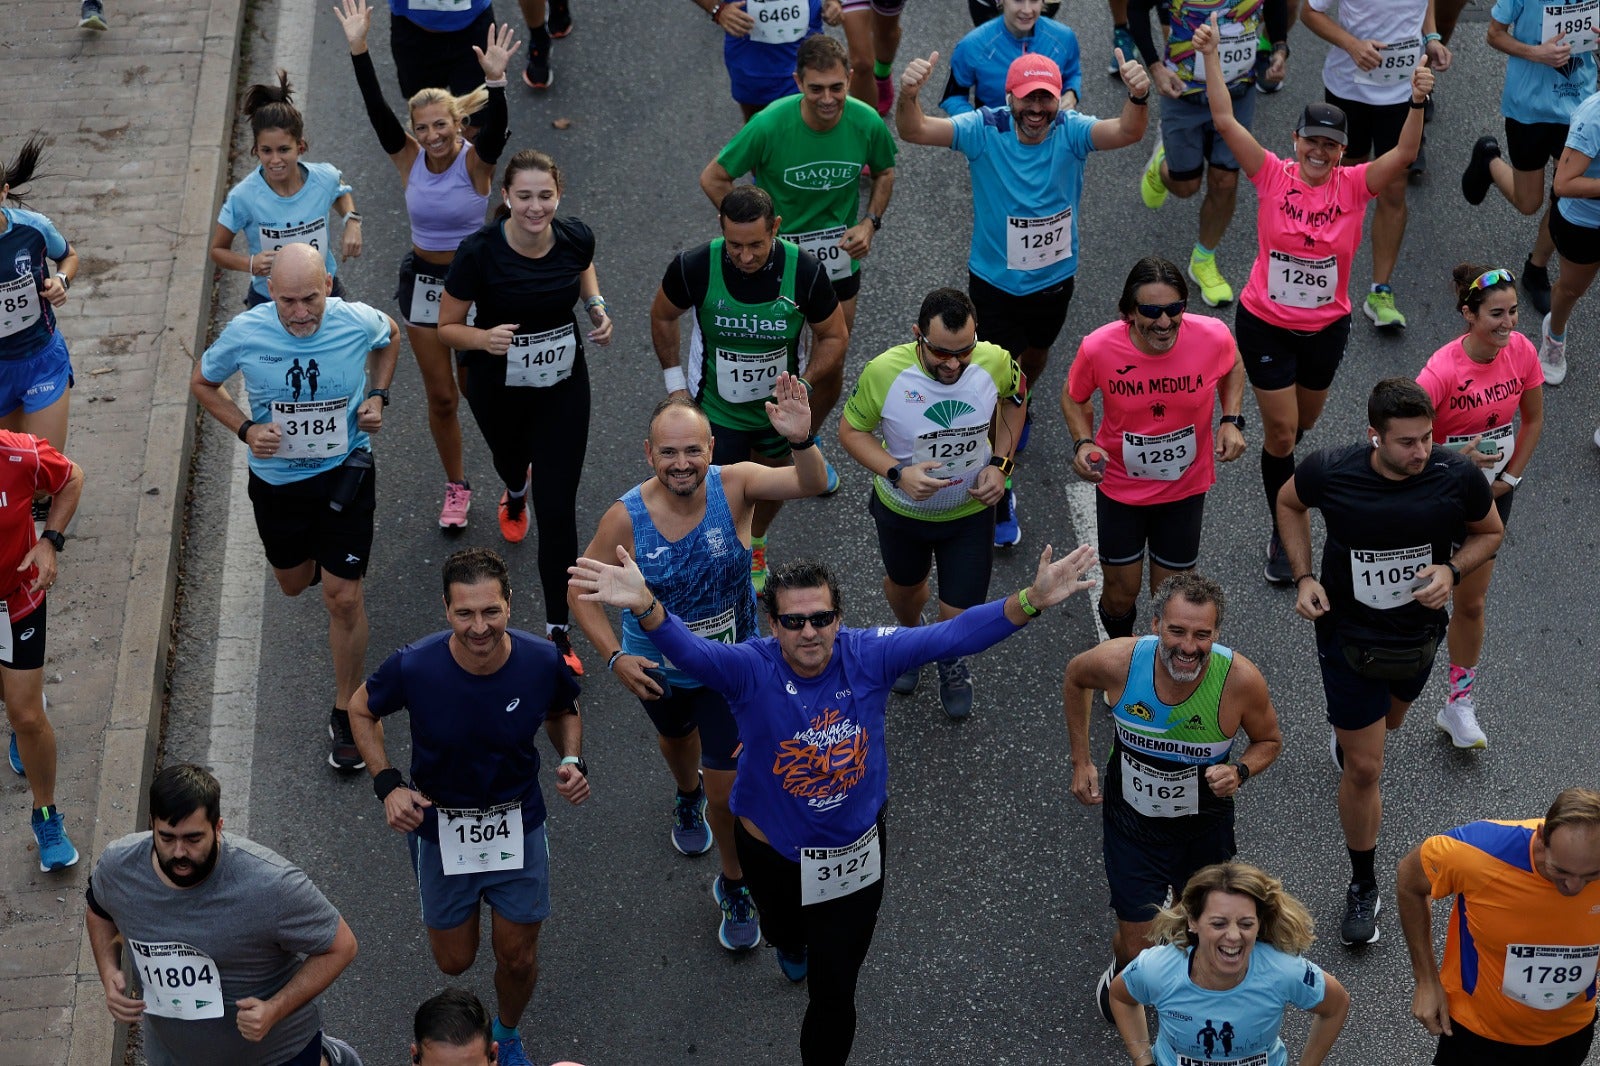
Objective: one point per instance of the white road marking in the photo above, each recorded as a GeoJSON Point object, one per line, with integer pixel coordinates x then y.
{"type": "Point", "coordinates": [1080, 508]}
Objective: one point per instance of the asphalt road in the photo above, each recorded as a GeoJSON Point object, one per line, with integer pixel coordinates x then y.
{"type": "Point", "coordinates": [995, 924]}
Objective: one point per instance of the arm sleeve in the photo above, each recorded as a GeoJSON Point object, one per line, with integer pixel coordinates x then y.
{"type": "Point", "coordinates": [1072, 66]}
{"type": "Point", "coordinates": [564, 693]}
{"type": "Point", "coordinates": [1276, 15]}
{"type": "Point", "coordinates": [882, 152]}
{"type": "Point", "coordinates": [724, 668]}
{"type": "Point", "coordinates": [966, 634]}
{"type": "Point", "coordinates": [496, 128]}
{"type": "Point", "coordinates": [957, 95]}
{"type": "Point", "coordinates": [1081, 382]}
{"type": "Point", "coordinates": [819, 300]}
{"type": "Point", "coordinates": [864, 409]}
{"type": "Point", "coordinates": [391, 135]}
{"type": "Point", "coordinates": [307, 922]}
{"type": "Point", "coordinates": [1139, 30]}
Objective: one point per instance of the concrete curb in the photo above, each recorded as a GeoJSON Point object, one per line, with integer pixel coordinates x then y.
{"type": "Point", "coordinates": [134, 725]}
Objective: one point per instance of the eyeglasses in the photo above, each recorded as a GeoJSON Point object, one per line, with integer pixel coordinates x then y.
{"type": "Point", "coordinates": [1492, 278]}
{"type": "Point", "coordinates": [1172, 310]}
{"type": "Point", "coordinates": [797, 622]}
{"type": "Point", "coordinates": [947, 353]}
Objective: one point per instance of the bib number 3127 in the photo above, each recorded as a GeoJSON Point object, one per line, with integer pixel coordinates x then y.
{"type": "Point", "coordinates": [832, 873]}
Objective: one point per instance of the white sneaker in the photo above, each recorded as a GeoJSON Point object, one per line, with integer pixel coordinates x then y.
{"type": "Point", "coordinates": [1552, 355]}
{"type": "Point", "coordinates": [1597, 438]}
{"type": "Point", "coordinates": [1459, 718]}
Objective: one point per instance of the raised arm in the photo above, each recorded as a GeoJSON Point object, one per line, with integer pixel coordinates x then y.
{"type": "Point", "coordinates": [1246, 149]}
{"type": "Point", "coordinates": [1128, 127]}
{"type": "Point", "coordinates": [1392, 164]}
{"type": "Point", "coordinates": [914, 125]}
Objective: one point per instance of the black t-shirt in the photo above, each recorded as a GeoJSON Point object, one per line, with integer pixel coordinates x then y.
{"type": "Point", "coordinates": [1382, 532]}
{"type": "Point", "coordinates": [536, 294]}
{"type": "Point", "coordinates": [688, 277]}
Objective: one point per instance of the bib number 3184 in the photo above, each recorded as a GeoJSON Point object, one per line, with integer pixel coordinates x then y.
{"type": "Point", "coordinates": [832, 873]}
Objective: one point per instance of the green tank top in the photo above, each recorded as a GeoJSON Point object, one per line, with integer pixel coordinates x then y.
{"type": "Point", "coordinates": [739, 349]}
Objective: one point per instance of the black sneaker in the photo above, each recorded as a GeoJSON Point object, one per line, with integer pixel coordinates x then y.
{"type": "Point", "coordinates": [955, 689]}
{"type": "Point", "coordinates": [1102, 992]}
{"type": "Point", "coordinates": [1361, 907]}
{"type": "Point", "coordinates": [1536, 286]}
{"type": "Point", "coordinates": [559, 24]}
{"type": "Point", "coordinates": [343, 754]}
{"type": "Point", "coordinates": [1419, 165]}
{"type": "Point", "coordinates": [537, 75]}
{"type": "Point", "coordinates": [1278, 571]}
{"type": "Point", "coordinates": [1475, 180]}
{"type": "Point", "coordinates": [41, 504]}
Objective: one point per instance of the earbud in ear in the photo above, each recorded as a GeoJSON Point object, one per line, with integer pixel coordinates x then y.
{"type": "Point", "coordinates": [1374, 442]}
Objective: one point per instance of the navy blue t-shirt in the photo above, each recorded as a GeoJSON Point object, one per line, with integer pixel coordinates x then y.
{"type": "Point", "coordinates": [474, 738]}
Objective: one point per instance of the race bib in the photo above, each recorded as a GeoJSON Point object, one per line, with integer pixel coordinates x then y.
{"type": "Point", "coordinates": [1576, 20]}
{"type": "Point", "coordinates": [426, 293]}
{"type": "Point", "coordinates": [832, 873]}
{"type": "Point", "coordinates": [1236, 49]}
{"type": "Point", "coordinates": [1249, 1060]}
{"type": "Point", "coordinates": [1505, 436]}
{"type": "Point", "coordinates": [1548, 977]}
{"type": "Point", "coordinates": [1160, 793]}
{"type": "Point", "coordinates": [958, 449]}
{"type": "Point", "coordinates": [743, 377]}
{"type": "Point", "coordinates": [539, 360]}
{"type": "Point", "coordinates": [1396, 61]}
{"type": "Point", "coordinates": [1296, 282]}
{"type": "Point", "coordinates": [723, 627]}
{"type": "Point", "coordinates": [778, 21]}
{"type": "Point", "coordinates": [1035, 243]}
{"type": "Point", "coordinates": [1161, 458]}
{"type": "Point", "coordinates": [439, 5]}
{"type": "Point", "coordinates": [824, 244]}
{"type": "Point", "coordinates": [19, 304]}
{"type": "Point", "coordinates": [179, 981]}
{"type": "Point", "coordinates": [312, 430]}
{"type": "Point", "coordinates": [1386, 579]}
{"type": "Point", "coordinates": [480, 842]}
{"type": "Point", "coordinates": [314, 233]}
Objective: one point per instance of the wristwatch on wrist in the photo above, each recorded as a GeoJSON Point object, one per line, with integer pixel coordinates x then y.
{"type": "Point", "coordinates": [876, 220]}
{"type": "Point", "coordinates": [66, 282]}
{"type": "Point", "coordinates": [1232, 420]}
{"type": "Point", "coordinates": [382, 394]}
{"type": "Point", "coordinates": [576, 760]}
{"type": "Point", "coordinates": [893, 474]}
{"type": "Point", "coordinates": [54, 538]}
{"type": "Point", "coordinates": [1243, 771]}
{"type": "Point", "coordinates": [1509, 478]}
{"type": "Point", "coordinates": [1455, 572]}
{"type": "Point", "coordinates": [1007, 466]}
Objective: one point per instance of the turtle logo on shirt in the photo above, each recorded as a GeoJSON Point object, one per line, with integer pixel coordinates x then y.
{"type": "Point", "coordinates": [1494, 419]}
{"type": "Point", "coordinates": [1158, 410]}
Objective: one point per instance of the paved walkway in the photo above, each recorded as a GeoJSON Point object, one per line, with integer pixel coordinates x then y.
{"type": "Point", "coordinates": [137, 121]}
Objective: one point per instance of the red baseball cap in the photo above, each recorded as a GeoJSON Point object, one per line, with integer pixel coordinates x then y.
{"type": "Point", "coordinates": [1030, 72]}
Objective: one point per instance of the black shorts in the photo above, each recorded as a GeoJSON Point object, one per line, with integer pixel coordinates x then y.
{"type": "Point", "coordinates": [1355, 702]}
{"type": "Point", "coordinates": [1577, 244]}
{"type": "Point", "coordinates": [27, 640]}
{"type": "Point", "coordinates": [1533, 145]}
{"type": "Point", "coordinates": [688, 709]}
{"type": "Point", "coordinates": [296, 524]}
{"type": "Point", "coordinates": [406, 287]}
{"type": "Point", "coordinates": [1466, 1048]}
{"type": "Point", "coordinates": [1172, 531]}
{"type": "Point", "coordinates": [1277, 358]}
{"type": "Point", "coordinates": [1373, 129]}
{"type": "Point", "coordinates": [1140, 873]}
{"type": "Point", "coordinates": [963, 548]}
{"type": "Point", "coordinates": [428, 59]}
{"type": "Point", "coordinates": [255, 299]}
{"type": "Point", "coordinates": [847, 287]}
{"type": "Point", "coordinates": [729, 446]}
{"type": "Point", "coordinates": [1017, 322]}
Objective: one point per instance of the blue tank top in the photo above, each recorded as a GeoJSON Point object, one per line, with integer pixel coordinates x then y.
{"type": "Point", "coordinates": [444, 209]}
{"type": "Point", "coordinates": [704, 578]}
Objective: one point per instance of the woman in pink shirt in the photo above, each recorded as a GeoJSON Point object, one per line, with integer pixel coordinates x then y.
{"type": "Point", "coordinates": [1479, 383]}
{"type": "Point", "coordinates": [1294, 315]}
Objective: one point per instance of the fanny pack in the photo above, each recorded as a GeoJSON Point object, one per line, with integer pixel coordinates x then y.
{"type": "Point", "coordinates": [1388, 662]}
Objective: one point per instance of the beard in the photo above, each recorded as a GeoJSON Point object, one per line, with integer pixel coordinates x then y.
{"type": "Point", "coordinates": [197, 871]}
{"type": "Point", "coordinates": [1169, 661]}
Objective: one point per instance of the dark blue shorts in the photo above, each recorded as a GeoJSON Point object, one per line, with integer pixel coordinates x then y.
{"type": "Point", "coordinates": [688, 709]}
{"type": "Point", "coordinates": [1140, 873]}
{"type": "Point", "coordinates": [521, 896]}
{"type": "Point", "coordinates": [1355, 702]}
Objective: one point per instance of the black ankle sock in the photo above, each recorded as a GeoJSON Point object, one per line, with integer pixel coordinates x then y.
{"type": "Point", "coordinates": [1362, 870]}
{"type": "Point", "coordinates": [1120, 625]}
{"type": "Point", "coordinates": [1276, 470]}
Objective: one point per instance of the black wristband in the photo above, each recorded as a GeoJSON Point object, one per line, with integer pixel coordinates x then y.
{"type": "Point", "coordinates": [809, 442]}
{"type": "Point", "coordinates": [1080, 443]}
{"type": "Point", "coordinates": [1301, 578]}
{"type": "Point", "coordinates": [1139, 101]}
{"type": "Point", "coordinates": [244, 428]}
{"type": "Point", "coordinates": [1415, 106]}
{"type": "Point", "coordinates": [386, 781]}
{"type": "Point", "coordinates": [1455, 573]}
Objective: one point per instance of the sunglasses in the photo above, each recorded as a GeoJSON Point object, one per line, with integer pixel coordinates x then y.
{"type": "Point", "coordinates": [1492, 278]}
{"type": "Point", "coordinates": [1172, 310]}
{"type": "Point", "coordinates": [797, 622]}
{"type": "Point", "coordinates": [947, 353]}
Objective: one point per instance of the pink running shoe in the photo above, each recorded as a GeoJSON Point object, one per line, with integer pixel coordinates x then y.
{"type": "Point", "coordinates": [457, 497]}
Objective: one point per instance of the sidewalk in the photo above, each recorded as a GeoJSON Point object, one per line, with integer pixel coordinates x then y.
{"type": "Point", "coordinates": [137, 122]}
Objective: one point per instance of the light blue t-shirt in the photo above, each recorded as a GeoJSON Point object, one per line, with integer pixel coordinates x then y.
{"type": "Point", "coordinates": [1584, 136]}
{"type": "Point", "coordinates": [331, 364]}
{"type": "Point", "coordinates": [26, 321]}
{"type": "Point", "coordinates": [1016, 188]}
{"type": "Point", "coordinates": [1239, 1025]}
{"type": "Point", "coordinates": [1535, 92]}
{"type": "Point", "coordinates": [983, 58]}
{"type": "Point", "coordinates": [272, 221]}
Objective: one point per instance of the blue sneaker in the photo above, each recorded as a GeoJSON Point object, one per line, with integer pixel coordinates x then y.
{"type": "Point", "coordinates": [16, 756]}
{"type": "Point", "coordinates": [1121, 38]}
{"type": "Point", "coordinates": [512, 1053]}
{"type": "Point", "coordinates": [833, 475]}
{"type": "Point", "coordinates": [691, 833]}
{"type": "Point", "coordinates": [1007, 531]}
{"type": "Point", "coordinates": [793, 966]}
{"type": "Point", "coordinates": [55, 850]}
{"type": "Point", "coordinates": [741, 925]}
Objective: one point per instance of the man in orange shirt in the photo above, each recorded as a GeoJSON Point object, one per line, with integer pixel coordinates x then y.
{"type": "Point", "coordinates": [1518, 982]}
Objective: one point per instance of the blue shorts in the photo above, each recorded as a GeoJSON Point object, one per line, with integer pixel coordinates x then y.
{"type": "Point", "coordinates": [521, 896]}
{"type": "Point", "coordinates": [1140, 873]}
{"type": "Point", "coordinates": [689, 709]}
{"type": "Point", "coordinates": [759, 90]}
{"type": "Point", "coordinates": [37, 381]}
{"type": "Point", "coordinates": [1191, 140]}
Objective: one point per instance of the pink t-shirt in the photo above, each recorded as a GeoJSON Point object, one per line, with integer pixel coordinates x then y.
{"type": "Point", "coordinates": [1306, 239]}
{"type": "Point", "coordinates": [1157, 409]}
{"type": "Point", "coordinates": [1470, 398]}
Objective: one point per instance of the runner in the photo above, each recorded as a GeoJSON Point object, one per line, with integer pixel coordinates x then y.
{"type": "Point", "coordinates": [760, 42]}
{"type": "Point", "coordinates": [1479, 384]}
{"type": "Point", "coordinates": [283, 201]}
{"type": "Point", "coordinates": [1293, 320]}
{"type": "Point", "coordinates": [1367, 75]}
{"type": "Point", "coordinates": [1547, 75]}
{"type": "Point", "coordinates": [1180, 700]}
{"type": "Point", "coordinates": [1229, 951]}
{"type": "Point", "coordinates": [527, 378]}
{"type": "Point", "coordinates": [939, 469]}
{"type": "Point", "coordinates": [689, 527]}
{"type": "Point", "coordinates": [980, 61]}
{"type": "Point", "coordinates": [1192, 142]}
{"type": "Point", "coordinates": [813, 772]}
{"type": "Point", "coordinates": [872, 32]}
{"type": "Point", "coordinates": [1517, 985]}
{"type": "Point", "coordinates": [537, 74]}
{"type": "Point", "coordinates": [747, 318]}
{"type": "Point", "coordinates": [1160, 373]}
{"type": "Point", "coordinates": [312, 482]}
{"type": "Point", "coordinates": [1575, 228]}
{"type": "Point", "coordinates": [431, 42]}
{"type": "Point", "coordinates": [447, 194]}
{"type": "Point", "coordinates": [229, 943]}
{"type": "Point", "coordinates": [1406, 519]}
{"type": "Point", "coordinates": [473, 812]}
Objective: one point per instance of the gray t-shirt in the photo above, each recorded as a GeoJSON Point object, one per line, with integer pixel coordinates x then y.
{"type": "Point", "coordinates": [257, 916]}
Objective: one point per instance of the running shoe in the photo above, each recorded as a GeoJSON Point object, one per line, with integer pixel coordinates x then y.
{"type": "Point", "coordinates": [562, 639]}
{"type": "Point", "coordinates": [338, 1053]}
{"type": "Point", "coordinates": [1263, 64]}
{"type": "Point", "coordinates": [16, 757]}
{"type": "Point", "coordinates": [1121, 38]}
{"type": "Point", "coordinates": [1476, 179]}
{"type": "Point", "coordinates": [1102, 991]}
{"type": "Point", "coordinates": [885, 95]}
{"type": "Point", "coordinates": [537, 74]}
{"type": "Point", "coordinates": [92, 16]}
{"type": "Point", "coordinates": [1597, 437]}
{"type": "Point", "coordinates": [1361, 907]}
{"type": "Point", "coordinates": [955, 689]}
{"type": "Point", "coordinates": [1419, 166]}
{"type": "Point", "coordinates": [904, 685]}
{"type": "Point", "coordinates": [343, 754]}
{"type": "Point", "coordinates": [512, 1053]}
{"type": "Point", "coordinates": [1214, 288]}
{"type": "Point", "coordinates": [513, 517]}
{"type": "Point", "coordinates": [758, 568]}
{"type": "Point", "coordinates": [1459, 718]}
{"type": "Point", "coordinates": [559, 24]}
{"type": "Point", "coordinates": [1152, 190]}
{"type": "Point", "coordinates": [691, 833]}
{"type": "Point", "coordinates": [457, 498]}
{"type": "Point", "coordinates": [1552, 355]}
{"type": "Point", "coordinates": [1007, 531]}
{"type": "Point", "coordinates": [50, 832]}
{"type": "Point", "coordinates": [1381, 309]}
{"type": "Point", "coordinates": [833, 478]}
{"type": "Point", "coordinates": [41, 508]}
{"type": "Point", "coordinates": [793, 966]}
{"type": "Point", "coordinates": [1536, 285]}
{"type": "Point", "coordinates": [1427, 110]}
{"type": "Point", "coordinates": [1278, 571]}
{"type": "Point", "coordinates": [1335, 749]}
{"type": "Point", "coordinates": [740, 929]}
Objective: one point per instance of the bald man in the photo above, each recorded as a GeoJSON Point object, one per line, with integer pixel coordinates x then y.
{"type": "Point", "coordinates": [312, 481]}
